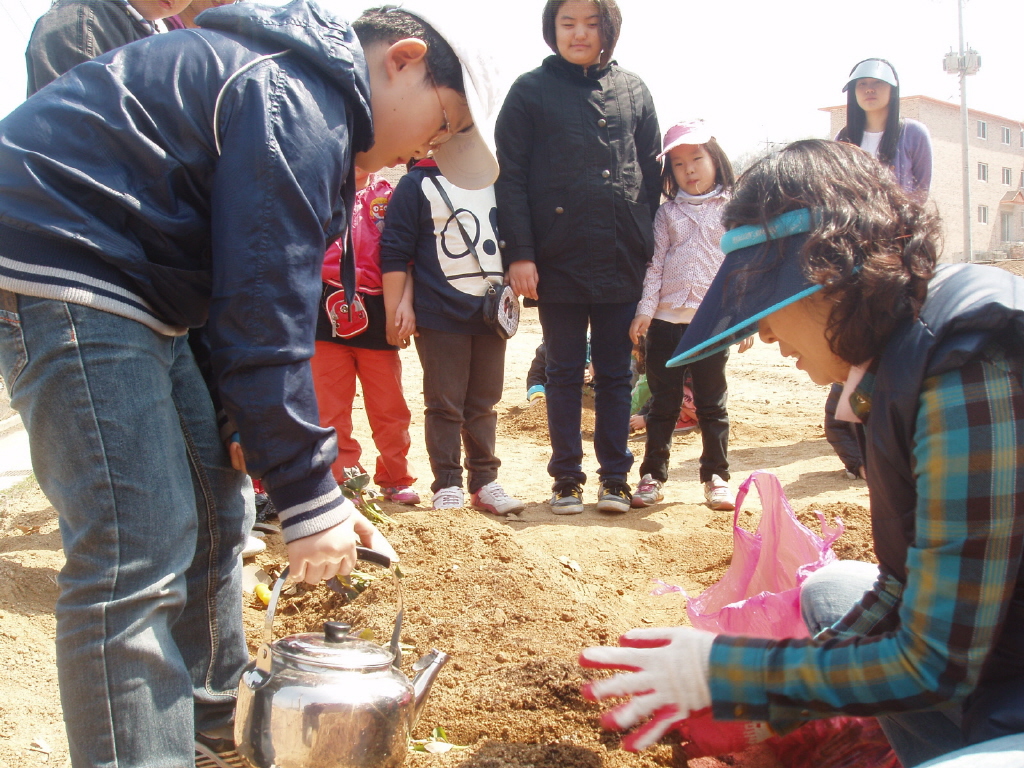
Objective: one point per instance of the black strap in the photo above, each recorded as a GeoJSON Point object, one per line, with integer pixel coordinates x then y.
{"type": "Point", "coordinates": [462, 229]}
{"type": "Point", "coordinates": [348, 257]}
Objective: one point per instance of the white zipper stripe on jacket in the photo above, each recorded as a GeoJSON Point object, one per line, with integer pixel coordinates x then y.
{"type": "Point", "coordinates": [224, 88]}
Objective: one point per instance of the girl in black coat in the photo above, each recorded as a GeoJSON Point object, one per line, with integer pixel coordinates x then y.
{"type": "Point", "coordinates": [577, 142]}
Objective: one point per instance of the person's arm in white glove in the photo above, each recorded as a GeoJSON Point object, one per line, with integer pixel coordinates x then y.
{"type": "Point", "coordinates": [666, 677]}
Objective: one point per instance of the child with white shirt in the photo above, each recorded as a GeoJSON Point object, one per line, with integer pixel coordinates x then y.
{"type": "Point", "coordinates": [697, 179]}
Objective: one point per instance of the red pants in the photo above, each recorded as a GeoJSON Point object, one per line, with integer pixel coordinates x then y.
{"type": "Point", "coordinates": [335, 368]}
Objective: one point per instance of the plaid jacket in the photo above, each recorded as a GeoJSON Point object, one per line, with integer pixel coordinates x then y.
{"type": "Point", "coordinates": [943, 623]}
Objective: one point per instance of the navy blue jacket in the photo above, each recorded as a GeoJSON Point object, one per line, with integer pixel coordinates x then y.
{"type": "Point", "coordinates": [967, 308]}
{"type": "Point", "coordinates": [195, 178]}
{"type": "Point", "coordinates": [420, 229]}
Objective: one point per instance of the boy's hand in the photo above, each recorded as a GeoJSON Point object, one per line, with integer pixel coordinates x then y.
{"type": "Point", "coordinates": [637, 422]}
{"type": "Point", "coordinates": [318, 557]}
{"type": "Point", "coordinates": [522, 276]}
{"type": "Point", "coordinates": [405, 324]}
{"type": "Point", "coordinates": [639, 328]}
{"type": "Point", "coordinates": [746, 344]}
{"type": "Point", "coordinates": [393, 329]}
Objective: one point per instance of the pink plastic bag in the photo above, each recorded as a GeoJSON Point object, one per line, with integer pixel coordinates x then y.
{"type": "Point", "coordinates": [759, 595]}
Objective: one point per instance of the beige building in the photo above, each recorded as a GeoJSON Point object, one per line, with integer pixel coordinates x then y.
{"type": "Point", "coordinates": [996, 171]}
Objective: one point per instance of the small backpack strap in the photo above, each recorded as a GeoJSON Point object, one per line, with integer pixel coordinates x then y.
{"type": "Point", "coordinates": [462, 229]}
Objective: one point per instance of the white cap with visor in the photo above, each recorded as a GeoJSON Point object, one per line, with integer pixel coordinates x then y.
{"type": "Point", "coordinates": [468, 158]}
{"type": "Point", "coordinates": [874, 68]}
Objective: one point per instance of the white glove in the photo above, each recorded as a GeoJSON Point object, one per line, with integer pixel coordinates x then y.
{"type": "Point", "coordinates": [667, 678]}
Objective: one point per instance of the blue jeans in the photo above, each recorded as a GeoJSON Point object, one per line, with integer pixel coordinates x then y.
{"type": "Point", "coordinates": [1005, 752]}
{"type": "Point", "coordinates": [827, 596]}
{"type": "Point", "coordinates": [125, 446]}
{"type": "Point", "coordinates": [565, 338]}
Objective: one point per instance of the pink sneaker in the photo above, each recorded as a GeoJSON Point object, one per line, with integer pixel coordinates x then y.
{"type": "Point", "coordinates": [403, 494]}
{"type": "Point", "coordinates": [493, 498]}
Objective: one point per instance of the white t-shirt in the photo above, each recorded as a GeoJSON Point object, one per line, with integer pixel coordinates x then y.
{"type": "Point", "coordinates": [870, 141]}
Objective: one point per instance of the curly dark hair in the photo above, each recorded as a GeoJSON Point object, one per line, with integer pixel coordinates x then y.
{"type": "Point", "coordinates": [611, 24]}
{"type": "Point", "coordinates": [872, 247]}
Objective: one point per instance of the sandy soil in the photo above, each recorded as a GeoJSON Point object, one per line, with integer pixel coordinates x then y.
{"type": "Point", "coordinates": [512, 600]}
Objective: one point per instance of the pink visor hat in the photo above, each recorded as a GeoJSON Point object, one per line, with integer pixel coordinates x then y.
{"type": "Point", "coordinates": [687, 132]}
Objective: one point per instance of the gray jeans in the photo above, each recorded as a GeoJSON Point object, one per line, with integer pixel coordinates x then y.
{"type": "Point", "coordinates": [463, 375]}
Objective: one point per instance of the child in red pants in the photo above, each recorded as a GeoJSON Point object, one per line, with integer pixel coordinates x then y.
{"type": "Point", "coordinates": [351, 347]}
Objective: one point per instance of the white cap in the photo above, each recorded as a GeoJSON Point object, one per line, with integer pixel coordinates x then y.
{"type": "Point", "coordinates": [467, 160]}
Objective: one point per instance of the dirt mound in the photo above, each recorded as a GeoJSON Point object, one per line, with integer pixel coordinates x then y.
{"type": "Point", "coordinates": [514, 622]}
{"type": "Point", "coordinates": [530, 422]}
{"type": "Point", "coordinates": [513, 625]}
{"type": "Point", "coordinates": [855, 543]}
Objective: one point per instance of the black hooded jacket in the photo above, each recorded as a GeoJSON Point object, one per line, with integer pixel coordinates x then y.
{"type": "Point", "coordinates": [580, 180]}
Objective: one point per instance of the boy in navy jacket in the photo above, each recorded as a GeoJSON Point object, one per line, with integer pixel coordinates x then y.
{"type": "Point", "coordinates": [187, 180]}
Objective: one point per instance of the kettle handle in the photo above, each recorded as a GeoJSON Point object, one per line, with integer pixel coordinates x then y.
{"type": "Point", "coordinates": [362, 553]}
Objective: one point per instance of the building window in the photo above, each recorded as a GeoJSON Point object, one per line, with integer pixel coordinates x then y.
{"type": "Point", "coordinates": [983, 214]}
{"type": "Point", "coordinates": [1007, 176]}
{"type": "Point", "coordinates": [982, 171]}
{"type": "Point", "coordinates": [982, 129]}
{"type": "Point", "coordinates": [1006, 135]}
{"type": "Point", "coordinates": [1007, 227]}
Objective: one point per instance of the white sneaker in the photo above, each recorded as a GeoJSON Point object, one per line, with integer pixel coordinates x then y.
{"type": "Point", "coordinates": [492, 498]}
{"type": "Point", "coordinates": [718, 494]}
{"type": "Point", "coordinates": [253, 546]}
{"type": "Point", "coordinates": [451, 497]}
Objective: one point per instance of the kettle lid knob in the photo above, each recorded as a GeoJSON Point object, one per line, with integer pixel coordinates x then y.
{"type": "Point", "coordinates": [336, 631]}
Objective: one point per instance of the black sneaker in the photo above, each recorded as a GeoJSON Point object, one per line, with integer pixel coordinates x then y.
{"type": "Point", "coordinates": [614, 496]}
{"type": "Point", "coordinates": [265, 509]}
{"type": "Point", "coordinates": [567, 498]}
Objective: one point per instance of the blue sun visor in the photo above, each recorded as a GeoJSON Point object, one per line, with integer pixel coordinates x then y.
{"type": "Point", "coordinates": [758, 276]}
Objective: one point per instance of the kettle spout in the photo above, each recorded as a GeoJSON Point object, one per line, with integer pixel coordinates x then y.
{"type": "Point", "coordinates": [426, 670]}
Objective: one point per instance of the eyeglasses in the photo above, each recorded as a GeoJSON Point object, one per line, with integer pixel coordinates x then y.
{"type": "Point", "coordinates": [446, 134]}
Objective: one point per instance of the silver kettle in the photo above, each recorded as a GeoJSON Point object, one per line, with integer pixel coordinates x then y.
{"type": "Point", "coordinates": [330, 700]}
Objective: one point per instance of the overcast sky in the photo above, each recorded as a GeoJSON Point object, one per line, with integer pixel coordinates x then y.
{"type": "Point", "coordinates": [759, 71]}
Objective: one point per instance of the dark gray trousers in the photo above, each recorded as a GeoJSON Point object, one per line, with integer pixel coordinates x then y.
{"type": "Point", "coordinates": [463, 376]}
